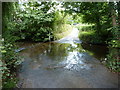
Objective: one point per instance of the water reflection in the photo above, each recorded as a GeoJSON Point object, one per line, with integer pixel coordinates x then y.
{"type": "Point", "coordinates": [58, 55]}
{"type": "Point", "coordinates": [64, 63]}
{"type": "Point", "coordinates": [67, 53]}
{"type": "Point", "coordinates": [74, 61]}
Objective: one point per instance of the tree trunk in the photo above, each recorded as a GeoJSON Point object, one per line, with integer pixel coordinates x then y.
{"type": "Point", "coordinates": [118, 9]}
{"type": "Point", "coordinates": [113, 16]}
{"type": "Point", "coordinates": [98, 25]}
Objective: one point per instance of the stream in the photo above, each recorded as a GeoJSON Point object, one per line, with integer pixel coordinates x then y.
{"type": "Point", "coordinates": [65, 63]}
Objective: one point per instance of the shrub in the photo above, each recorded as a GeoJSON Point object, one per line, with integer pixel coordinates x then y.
{"type": "Point", "coordinates": [114, 45]}
{"type": "Point", "coordinates": [113, 59]}
{"type": "Point", "coordinates": [10, 61]}
{"type": "Point", "coordinates": [86, 27]}
{"type": "Point", "coordinates": [90, 37]}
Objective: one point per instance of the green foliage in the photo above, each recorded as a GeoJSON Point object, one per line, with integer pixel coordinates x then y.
{"type": "Point", "coordinates": [33, 23]}
{"type": "Point", "coordinates": [60, 19]}
{"type": "Point", "coordinates": [10, 59]}
{"type": "Point", "coordinates": [10, 83]}
{"type": "Point", "coordinates": [37, 22]}
{"type": "Point", "coordinates": [43, 34]}
{"type": "Point", "coordinates": [113, 59]}
{"type": "Point", "coordinates": [91, 12]}
{"type": "Point", "coordinates": [90, 37]}
{"type": "Point", "coordinates": [78, 18]}
{"type": "Point", "coordinates": [62, 30]}
{"type": "Point", "coordinates": [6, 15]}
{"type": "Point", "coordinates": [85, 27]}
{"type": "Point", "coordinates": [88, 34]}
{"type": "Point", "coordinates": [114, 45]}
{"type": "Point", "coordinates": [7, 23]}
{"type": "Point", "coordinates": [115, 37]}
{"type": "Point", "coordinates": [61, 26]}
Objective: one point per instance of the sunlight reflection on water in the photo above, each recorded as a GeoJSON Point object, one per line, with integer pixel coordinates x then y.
{"type": "Point", "coordinates": [74, 59]}
{"type": "Point", "coordinates": [74, 62]}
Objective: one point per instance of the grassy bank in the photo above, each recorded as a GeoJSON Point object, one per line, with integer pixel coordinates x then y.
{"type": "Point", "coordinates": [90, 37]}
{"type": "Point", "coordinates": [88, 34]}
{"type": "Point", "coordinates": [85, 27]}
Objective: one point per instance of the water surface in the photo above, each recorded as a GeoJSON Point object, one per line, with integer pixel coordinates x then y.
{"type": "Point", "coordinates": [64, 64]}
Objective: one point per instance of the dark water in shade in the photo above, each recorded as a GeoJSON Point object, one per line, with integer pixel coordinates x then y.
{"type": "Point", "coordinates": [64, 64]}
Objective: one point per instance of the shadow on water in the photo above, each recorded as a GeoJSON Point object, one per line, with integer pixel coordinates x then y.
{"type": "Point", "coordinates": [98, 51]}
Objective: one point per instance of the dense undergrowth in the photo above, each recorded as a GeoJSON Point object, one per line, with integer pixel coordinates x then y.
{"type": "Point", "coordinates": [10, 59]}
{"type": "Point", "coordinates": [37, 23]}
{"type": "Point", "coordinates": [113, 57]}
{"type": "Point", "coordinates": [10, 62]}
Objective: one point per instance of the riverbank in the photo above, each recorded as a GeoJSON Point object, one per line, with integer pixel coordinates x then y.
{"type": "Point", "coordinates": [89, 37]}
